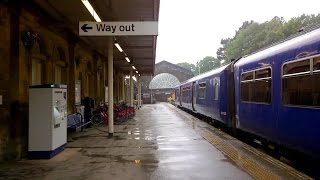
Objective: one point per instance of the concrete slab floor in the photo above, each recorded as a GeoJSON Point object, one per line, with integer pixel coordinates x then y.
{"type": "Point", "coordinates": [161, 142]}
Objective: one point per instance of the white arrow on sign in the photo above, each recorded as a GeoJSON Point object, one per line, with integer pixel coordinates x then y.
{"type": "Point", "coordinates": [89, 28]}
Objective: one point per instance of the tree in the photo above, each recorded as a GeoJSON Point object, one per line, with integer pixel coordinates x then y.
{"type": "Point", "coordinates": [187, 66]}
{"type": "Point", "coordinates": [252, 36]}
{"type": "Point", "coordinates": [220, 54]}
{"type": "Point", "coordinates": [299, 23]}
{"type": "Point", "coordinates": [206, 64]}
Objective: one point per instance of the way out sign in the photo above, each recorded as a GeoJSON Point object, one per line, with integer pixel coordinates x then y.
{"type": "Point", "coordinates": [88, 28]}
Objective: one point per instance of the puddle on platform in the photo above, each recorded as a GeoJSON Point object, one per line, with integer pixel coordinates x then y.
{"type": "Point", "coordinates": [136, 132]}
{"type": "Point", "coordinates": [148, 161]}
{"type": "Point", "coordinates": [87, 136]}
{"type": "Point", "coordinates": [119, 138]}
{"type": "Point", "coordinates": [25, 170]}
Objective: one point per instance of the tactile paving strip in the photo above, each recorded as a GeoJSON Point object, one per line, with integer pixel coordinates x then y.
{"type": "Point", "coordinates": [251, 167]}
{"type": "Point", "coordinates": [256, 170]}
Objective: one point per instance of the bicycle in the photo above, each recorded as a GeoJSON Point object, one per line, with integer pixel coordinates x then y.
{"type": "Point", "coordinates": [100, 116]}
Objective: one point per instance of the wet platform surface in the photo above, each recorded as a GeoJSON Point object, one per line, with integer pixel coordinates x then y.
{"type": "Point", "coordinates": [161, 142]}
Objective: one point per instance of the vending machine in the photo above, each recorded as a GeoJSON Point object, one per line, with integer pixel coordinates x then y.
{"type": "Point", "coordinates": [47, 120]}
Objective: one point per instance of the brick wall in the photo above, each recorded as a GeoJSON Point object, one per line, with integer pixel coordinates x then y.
{"type": "Point", "coordinates": [4, 78]}
{"type": "Point", "coordinates": [51, 49]}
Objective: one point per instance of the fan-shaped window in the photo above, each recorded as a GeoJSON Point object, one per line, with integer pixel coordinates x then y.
{"type": "Point", "coordinates": [164, 81]}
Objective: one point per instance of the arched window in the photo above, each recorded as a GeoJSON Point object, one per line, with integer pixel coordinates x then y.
{"type": "Point", "coordinates": [37, 65]}
{"type": "Point", "coordinates": [164, 81]}
{"type": "Point", "coordinates": [59, 58]}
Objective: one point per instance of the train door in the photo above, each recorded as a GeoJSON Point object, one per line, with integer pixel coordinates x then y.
{"type": "Point", "coordinates": [180, 96]}
{"type": "Point", "coordinates": [231, 100]}
{"type": "Point", "coordinates": [194, 96]}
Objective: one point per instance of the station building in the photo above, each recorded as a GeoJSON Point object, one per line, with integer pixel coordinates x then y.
{"type": "Point", "coordinates": [159, 86]}
{"type": "Point", "coordinates": [39, 44]}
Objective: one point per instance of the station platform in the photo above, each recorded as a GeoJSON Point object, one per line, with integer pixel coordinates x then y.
{"type": "Point", "coordinates": [161, 142]}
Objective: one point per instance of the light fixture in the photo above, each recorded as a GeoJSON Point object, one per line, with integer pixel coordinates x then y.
{"type": "Point", "coordinates": [134, 78]}
{"type": "Point", "coordinates": [134, 67]}
{"type": "Point", "coordinates": [127, 59]}
{"type": "Point", "coordinates": [118, 46]}
{"type": "Point", "coordinates": [94, 14]}
{"type": "Point", "coordinates": [137, 72]}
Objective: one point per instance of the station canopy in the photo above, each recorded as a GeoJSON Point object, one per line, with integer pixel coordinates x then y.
{"type": "Point", "coordinates": [140, 49]}
{"type": "Point", "coordinates": [164, 81]}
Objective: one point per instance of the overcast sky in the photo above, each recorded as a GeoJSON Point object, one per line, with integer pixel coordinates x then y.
{"type": "Point", "coordinates": [189, 30]}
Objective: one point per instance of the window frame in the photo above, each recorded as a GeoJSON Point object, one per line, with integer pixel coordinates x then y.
{"type": "Point", "coordinates": [254, 80]}
{"type": "Point", "coordinates": [58, 75]}
{"type": "Point", "coordinates": [316, 71]}
{"type": "Point", "coordinates": [253, 75]}
{"type": "Point", "coordinates": [185, 90]}
{"type": "Point", "coordinates": [216, 80]}
{"type": "Point", "coordinates": [37, 69]}
{"type": "Point", "coordinates": [310, 72]}
{"type": "Point", "coordinates": [205, 89]}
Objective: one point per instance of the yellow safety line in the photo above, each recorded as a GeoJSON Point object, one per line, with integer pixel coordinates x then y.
{"type": "Point", "coordinates": [254, 169]}
{"type": "Point", "coordinates": [250, 166]}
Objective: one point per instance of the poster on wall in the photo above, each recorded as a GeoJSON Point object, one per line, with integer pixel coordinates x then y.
{"type": "Point", "coordinates": [78, 92]}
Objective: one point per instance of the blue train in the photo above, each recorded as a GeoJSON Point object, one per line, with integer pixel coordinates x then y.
{"type": "Point", "coordinates": [273, 94]}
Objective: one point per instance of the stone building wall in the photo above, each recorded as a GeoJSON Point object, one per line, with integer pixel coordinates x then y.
{"type": "Point", "coordinates": [53, 52]}
{"type": "Point", "coordinates": [163, 67]}
{"type": "Point", "coordinates": [180, 73]}
{"type": "Point", "coordinates": [166, 67]}
{"type": "Point", "coordinates": [4, 77]}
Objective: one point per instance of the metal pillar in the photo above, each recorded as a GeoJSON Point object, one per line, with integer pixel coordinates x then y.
{"type": "Point", "coordinates": [139, 92]}
{"type": "Point", "coordinates": [110, 86]}
{"type": "Point", "coordinates": [123, 87]}
{"type": "Point", "coordinates": [118, 88]}
{"type": "Point", "coordinates": [71, 80]}
{"type": "Point", "coordinates": [151, 99]}
{"type": "Point", "coordinates": [131, 88]}
{"type": "Point", "coordinates": [95, 76]}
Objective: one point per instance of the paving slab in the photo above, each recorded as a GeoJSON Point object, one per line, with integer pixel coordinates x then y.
{"type": "Point", "coordinates": [160, 142]}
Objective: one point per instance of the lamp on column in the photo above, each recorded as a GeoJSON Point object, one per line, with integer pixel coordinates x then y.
{"type": "Point", "coordinates": [28, 39]}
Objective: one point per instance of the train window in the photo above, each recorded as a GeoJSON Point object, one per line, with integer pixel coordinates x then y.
{"type": "Point", "coordinates": [247, 76]}
{"type": "Point", "coordinates": [246, 91]}
{"type": "Point", "coordinates": [256, 91]}
{"type": "Point", "coordinates": [185, 91]}
{"type": "Point", "coordinates": [296, 67]}
{"type": "Point", "coordinates": [259, 89]}
{"type": "Point", "coordinates": [263, 73]}
{"type": "Point", "coordinates": [301, 90]}
{"type": "Point", "coordinates": [202, 90]}
{"type": "Point", "coordinates": [262, 91]}
{"type": "Point", "coordinates": [316, 64]}
{"type": "Point", "coordinates": [216, 88]}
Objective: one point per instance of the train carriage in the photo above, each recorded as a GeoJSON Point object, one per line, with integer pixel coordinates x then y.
{"type": "Point", "coordinates": [177, 96]}
{"type": "Point", "coordinates": [186, 95]}
{"type": "Point", "coordinates": [211, 95]}
{"type": "Point", "coordinates": [273, 94]}
{"type": "Point", "coordinates": [278, 93]}
{"type": "Point", "coordinates": [207, 94]}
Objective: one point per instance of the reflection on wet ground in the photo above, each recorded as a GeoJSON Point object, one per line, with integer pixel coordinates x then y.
{"type": "Point", "coordinates": [154, 145]}
{"type": "Point", "coordinates": [258, 164]}
{"type": "Point", "coordinates": [159, 143]}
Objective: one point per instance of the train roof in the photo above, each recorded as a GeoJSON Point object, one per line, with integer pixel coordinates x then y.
{"type": "Point", "coordinates": [206, 74]}
{"type": "Point", "coordinates": [296, 42]}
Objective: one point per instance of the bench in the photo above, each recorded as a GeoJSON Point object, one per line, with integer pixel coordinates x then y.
{"type": "Point", "coordinates": [76, 121]}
